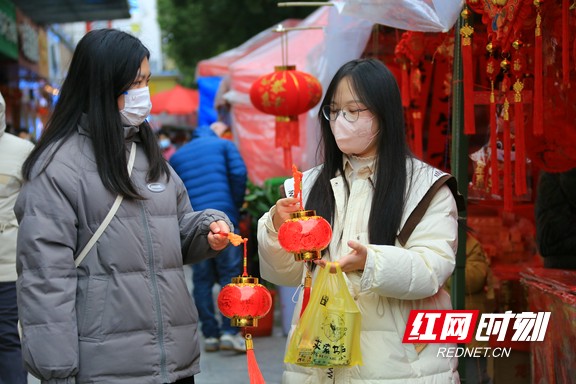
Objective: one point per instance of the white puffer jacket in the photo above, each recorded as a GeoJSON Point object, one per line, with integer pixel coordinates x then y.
{"type": "Point", "coordinates": [395, 280]}
{"type": "Point", "coordinates": [13, 152]}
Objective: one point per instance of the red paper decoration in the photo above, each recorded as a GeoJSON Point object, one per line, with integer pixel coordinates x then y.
{"type": "Point", "coordinates": [286, 93]}
{"type": "Point", "coordinates": [468, 74]}
{"type": "Point", "coordinates": [305, 234]}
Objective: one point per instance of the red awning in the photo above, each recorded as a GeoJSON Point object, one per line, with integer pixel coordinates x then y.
{"type": "Point", "coordinates": [176, 101]}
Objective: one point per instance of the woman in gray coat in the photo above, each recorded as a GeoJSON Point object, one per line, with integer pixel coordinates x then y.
{"type": "Point", "coordinates": [125, 314]}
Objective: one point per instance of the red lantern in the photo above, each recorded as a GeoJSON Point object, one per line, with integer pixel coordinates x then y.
{"type": "Point", "coordinates": [305, 234]}
{"type": "Point", "coordinates": [286, 93]}
{"type": "Point", "coordinates": [244, 301]}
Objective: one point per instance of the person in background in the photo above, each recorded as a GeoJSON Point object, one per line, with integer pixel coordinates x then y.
{"type": "Point", "coordinates": [165, 144]}
{"type": "Point", "coordinates": [221, 104]}
{"type": "Point", "coordinates": [214, 174]}
{"type": "Point", "coordinates": [479, 295]}
{"type": "Point", "coordinates": [555, 213]}
{"type": "Point", "coordinates": [124, 314]}
{"type": "Point", "coordinates": [221, 130]}
{"type": "Point", "coordinates": [368, 187]}
{"type": "Point", "coordinates": [13, 152]}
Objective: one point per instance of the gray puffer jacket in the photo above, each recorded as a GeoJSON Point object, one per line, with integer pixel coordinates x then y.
{"type": "Point", "coordinates": [125, 315]}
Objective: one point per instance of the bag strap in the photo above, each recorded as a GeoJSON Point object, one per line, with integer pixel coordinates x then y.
{"type": "Point", "coordinates": [422, 206]}
{"type": "Point", "coordinates": [110, 214]}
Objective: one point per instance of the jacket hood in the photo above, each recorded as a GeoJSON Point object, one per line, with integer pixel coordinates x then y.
{"type": "Point", "coordinates": [2, 115]}
{"type": "Point", "coordinates": [203, 131]}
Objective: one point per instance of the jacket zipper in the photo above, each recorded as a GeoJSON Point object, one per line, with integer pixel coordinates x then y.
{"type": "Point", "coordinates": [152, 269]}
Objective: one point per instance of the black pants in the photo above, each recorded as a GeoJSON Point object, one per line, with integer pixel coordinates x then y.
{"type": "Point", "coordinates": [188, 380]}
{"type": "Point", "coordinates": [11, 368]}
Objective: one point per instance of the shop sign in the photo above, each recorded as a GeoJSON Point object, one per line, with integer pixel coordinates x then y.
{"type": "Point", "coordinates": [8, 30]}
{"type": "Point", "coordinates": [29, 41]}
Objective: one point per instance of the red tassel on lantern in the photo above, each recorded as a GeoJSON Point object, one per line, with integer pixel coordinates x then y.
{"type": "Point", "coordinates": [468, 75]}
{"type": "Point", "coordinates": [306, 293]}
{"type": "Point", "coordinates": [254, 373]}
{"type": "Point", "coordinates": [538, 99]}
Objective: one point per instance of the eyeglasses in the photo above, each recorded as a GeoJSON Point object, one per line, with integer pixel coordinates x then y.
{"type": "Point", "coordinates": [349, 115]}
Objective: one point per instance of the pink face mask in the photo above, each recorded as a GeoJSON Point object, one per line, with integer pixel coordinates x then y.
{"type": "Point", "coordinates": [353, 138]}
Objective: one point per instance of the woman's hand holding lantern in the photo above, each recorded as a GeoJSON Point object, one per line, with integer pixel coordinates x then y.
{"type": "Point", "coordinates": [284, 207]}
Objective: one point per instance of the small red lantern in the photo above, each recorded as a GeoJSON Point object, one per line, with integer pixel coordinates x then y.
{"type": "Point", "coordinates": [305, 234]}
{"type": "Point", "coordinates": [286, 93]}
{"type": "Point", "coordinates": [244, 301]}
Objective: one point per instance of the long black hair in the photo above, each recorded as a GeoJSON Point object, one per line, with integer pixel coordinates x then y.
{"type": "Point", "coordinates": [104, 65]}
{"type": "Point", "coordinates": [376, 87]}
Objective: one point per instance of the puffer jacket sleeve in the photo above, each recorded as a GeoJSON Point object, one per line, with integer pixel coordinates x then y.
{"type": "Point", "coordinates": [420, 268]}
{"type": "Point", "coordinates": [195, 226]}
{"type": "Point", "coordinates": [46, 286]}
{"type": "Point", "coordinates": [237, 173]}
{"type": "Point", "coordinates": [276, 265]}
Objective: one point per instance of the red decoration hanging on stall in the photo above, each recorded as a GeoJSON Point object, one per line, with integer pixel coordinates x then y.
{"type": "Point", "coordinates": [286, 93]}
{"type": "Point", "coordinates": [492, 70]}
{"type": "Point", "coordinates": [518, 69]}
{"type": "Point", "coordinates": [538, 98]}
{"type": "Point", "coordinates": [468, 74]}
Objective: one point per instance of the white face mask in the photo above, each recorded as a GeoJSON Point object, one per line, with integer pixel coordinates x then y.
{"type": "Point", "coordinates": [137, 106]}
{"type": "Point", "coordinates": [353, 138]}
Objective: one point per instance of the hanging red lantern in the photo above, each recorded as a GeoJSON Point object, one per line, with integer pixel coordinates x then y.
{"type": "Point", "coordinates": [305, 234]}
{"type": "Point", "coordinates": [286, 93]}
{"type": "Point", "coordinates": [244, 301]}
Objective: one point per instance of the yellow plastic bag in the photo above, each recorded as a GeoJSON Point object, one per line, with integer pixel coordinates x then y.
{"type": "Point", "coordinates": [328, 333]}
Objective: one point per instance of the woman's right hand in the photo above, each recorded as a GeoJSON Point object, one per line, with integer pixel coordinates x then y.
{"type": "Point", "coordinates": [284, 207]}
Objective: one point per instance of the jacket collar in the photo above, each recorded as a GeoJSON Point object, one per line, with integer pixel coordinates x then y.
{"type": "Point", "coordinates": [131, 133]}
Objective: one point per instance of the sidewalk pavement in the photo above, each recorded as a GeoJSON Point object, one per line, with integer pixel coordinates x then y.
{"type": "Point", "coordinates": [231, 367]}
